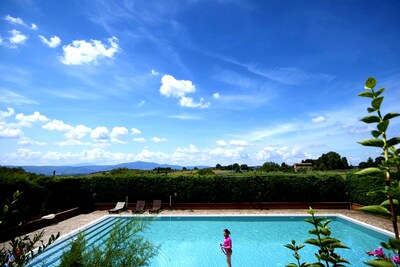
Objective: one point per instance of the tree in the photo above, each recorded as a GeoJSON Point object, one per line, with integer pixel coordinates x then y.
{"type": "Point", "coordinates": [270, 167]}
{"type": "Point", "coordinates": [331, 161]}
{"type": "Point", "coordinates": [285, 167]}
{"type": "Point", "coordinates": [244, 167]}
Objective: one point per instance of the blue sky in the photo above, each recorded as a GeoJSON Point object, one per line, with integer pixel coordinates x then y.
{"type": "Point", "coordinates": [193, 82]}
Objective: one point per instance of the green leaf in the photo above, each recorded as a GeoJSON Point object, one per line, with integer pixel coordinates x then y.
{"type": "Point", "coordinates": [371, 119]}
{"type": "Point", "coordinates": [393, 141]}
{"type": "Point", "coordinates": [366, 94]}
{"type": "Point", "coordinates": [380, 263]}
{"type": "Point", "coordinates": [5, 209]}
{"type": "Point", "coordinates": [376, 133]}
{"type": "Point", "coordinates": [291, 265]}
{"type": "Point", "coordinates": [380, 91]}
{"type": "Point", "coordinates": [376, 103]}
{"type": "Point", "coordinates": [317, 264]}
{"type": "Point", "coordinates": [371, 110]}
{"type": "Point", "coordinates": [372, 142]}
{"type": "Point", "coordinates": [391, 115]}
{"type": "Point", "coordinates": [313, 241]}
{"type": "Point", "coordinates": [370, 83]}
{"type": "Point", "coordinates": [382, 126]}
{"type": "Point", "coordinates": [289, 246]}
{"type": "Point", "coordinates": [386, 203]}
{"type": "Point", "coordinates": [367, 171]}
{"type": "Point", "coordinates": [394, 243]}
{"type": "Point", "coordinates": [377, 210]}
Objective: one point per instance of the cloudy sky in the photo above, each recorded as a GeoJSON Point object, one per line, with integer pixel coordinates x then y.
{"type": "Point", "coordinates": [192, 82]}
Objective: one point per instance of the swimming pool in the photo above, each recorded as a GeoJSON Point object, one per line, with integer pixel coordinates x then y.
{"type": "Point", "coordinates": [257, 240]}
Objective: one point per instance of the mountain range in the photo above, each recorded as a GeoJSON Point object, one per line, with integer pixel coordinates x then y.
{"type": "Point", "coordinates": [88, 169]}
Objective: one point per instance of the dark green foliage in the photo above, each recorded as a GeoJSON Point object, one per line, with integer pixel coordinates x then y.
{"type": "Point", "coordinates": [331, 161]}
{"type": "Point", "coordinates": [360, 185]}
{"type": "Point", "coordinates": [205, 171]}
{"type": "Point", "coordinates": [322, 240]}
{"type": "Point", "coordinates": [74, 256]}
{"type": "Point", "coordinates": [246, 187]}
{"type": "Point", "coordinates": [49, 194]}
{"type": "Point", "coordinates": [21, 250]}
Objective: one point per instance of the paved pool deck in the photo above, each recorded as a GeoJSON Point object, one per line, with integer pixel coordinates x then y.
{"type": "Point", "coordinates": [77, 222]}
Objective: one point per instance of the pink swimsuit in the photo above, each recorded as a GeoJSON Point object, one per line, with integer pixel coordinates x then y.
{"type": "Point", "coordinates": [228, 243]}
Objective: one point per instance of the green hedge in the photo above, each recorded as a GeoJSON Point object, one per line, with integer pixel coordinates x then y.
{"type": "Point", "coordinates": [48, 194]}
{"type": "Point", "coordinates": [360, 185]}
{"type": "Point", "coordinates": [276, 187]}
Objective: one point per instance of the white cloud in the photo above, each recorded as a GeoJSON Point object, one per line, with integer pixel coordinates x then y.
{"type": "Point", "coordinates": [15, 21]}
{"type": "Point", "coordinates": [228, 153]}
{"type": "Point", "coordinates": [100, 134]}
{"type": "Point", "coordinates": [171, 87]}
{"type": "Point", "coordinates": [27, 142]}
{"type": "Point", "coordinates": [34, 27]}
{"type": "Point", "coordinates": [7, 96]}
{"type": "Point", "coordinates": [141, 103]}
{"type": "Point", "coordinates": [221, 143]}
{"type": "Point", "coordinates": [216, 95]}
{"type": "Point", "coordinates": [9, 131]}
{"type": "Point", "coordinates": [186, 154]}
{"type": "Point", "coordinates": [185, 117]}
{"type": "Point", "coordinates": [78, 132]}
{"type": "Point", "coordinates": [27, 120]}
{"type": "Point", "coordinates": [155, 73]}
{"type": "Point", "coordinates": [57, 125]}
{"type": "Point", "coordinates": [263, 155]}
{"type": "Point", "coordinates": [238, 142]}
{"type": "Point", "coordinates": [158, 140]}
{"type": "Point", "coordinates": [191, 149]}
{"type": "Point", "coordinates": [318, 119]}
{"type": "Point", "coordinates": [118, 132]}
{"type": "Point", "coordinates": [284, 153]}
{"type": "Point", "coordinates": [136, 131]}
{"type": "Point", "coordinates": [53, 42]}
{"type": "Point", "coordinates": [82, 52]}
{"type": "Point", "coordinates": [188, 102]}
{"type": "Point", "coordinates": [147, 155]}
{"type": "Point", "coordinates": [139, 139]}
{"type": "Point", "coordinates": [71, 142]}
{"type": "Point", "coordinates": [17, 37]}
{"type": "Point", "coordinates": [8, 113]}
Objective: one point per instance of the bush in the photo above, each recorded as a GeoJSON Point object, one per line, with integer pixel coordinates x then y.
{"type": "Point", "coordinates": [123, 247]}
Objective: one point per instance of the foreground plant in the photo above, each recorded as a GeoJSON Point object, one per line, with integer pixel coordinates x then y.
{"type": "Point", "coordinates": [326, 245]}
{"type": "Point", "coordinates": [383, 260]}
{"type": "Point", "coordinates": [389, 151]}
{"type": "Point", "coordinates": [124, 247]}
{"type": "Point", "coordinates": [389, 207]}
{"type": "Point", "coordinates": [22, 249]}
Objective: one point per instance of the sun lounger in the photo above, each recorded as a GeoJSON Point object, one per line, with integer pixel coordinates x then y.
{"type": "Point", "coordinates": [140, 205]}
{"type": "Point", "coordinates": [119, 207]}
{"type": "Point", "coordinates": [156, 206]}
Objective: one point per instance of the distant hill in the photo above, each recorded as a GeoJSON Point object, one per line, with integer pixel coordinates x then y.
{"type": "Point", "coordinates": [88, 169]}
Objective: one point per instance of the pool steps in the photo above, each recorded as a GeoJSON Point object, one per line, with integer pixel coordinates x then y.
{"type": "Point", "coordinates": [93, 235]}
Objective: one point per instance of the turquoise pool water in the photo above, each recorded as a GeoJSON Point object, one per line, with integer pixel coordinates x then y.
{"type": "Point", "coordinates": [257, 240]}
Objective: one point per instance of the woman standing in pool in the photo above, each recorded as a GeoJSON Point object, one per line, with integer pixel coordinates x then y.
{"type": "Point", "coordinates": [227, 246]}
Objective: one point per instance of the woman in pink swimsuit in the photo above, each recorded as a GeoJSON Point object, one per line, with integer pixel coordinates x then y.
{"type": "Point", "coordinates": [227, 246]}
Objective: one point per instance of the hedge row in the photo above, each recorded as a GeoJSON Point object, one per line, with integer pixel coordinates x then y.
{"type": "Point", "coordinates": [274, 187]}
{"type": "Point", "coordinates": [48, 194]}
